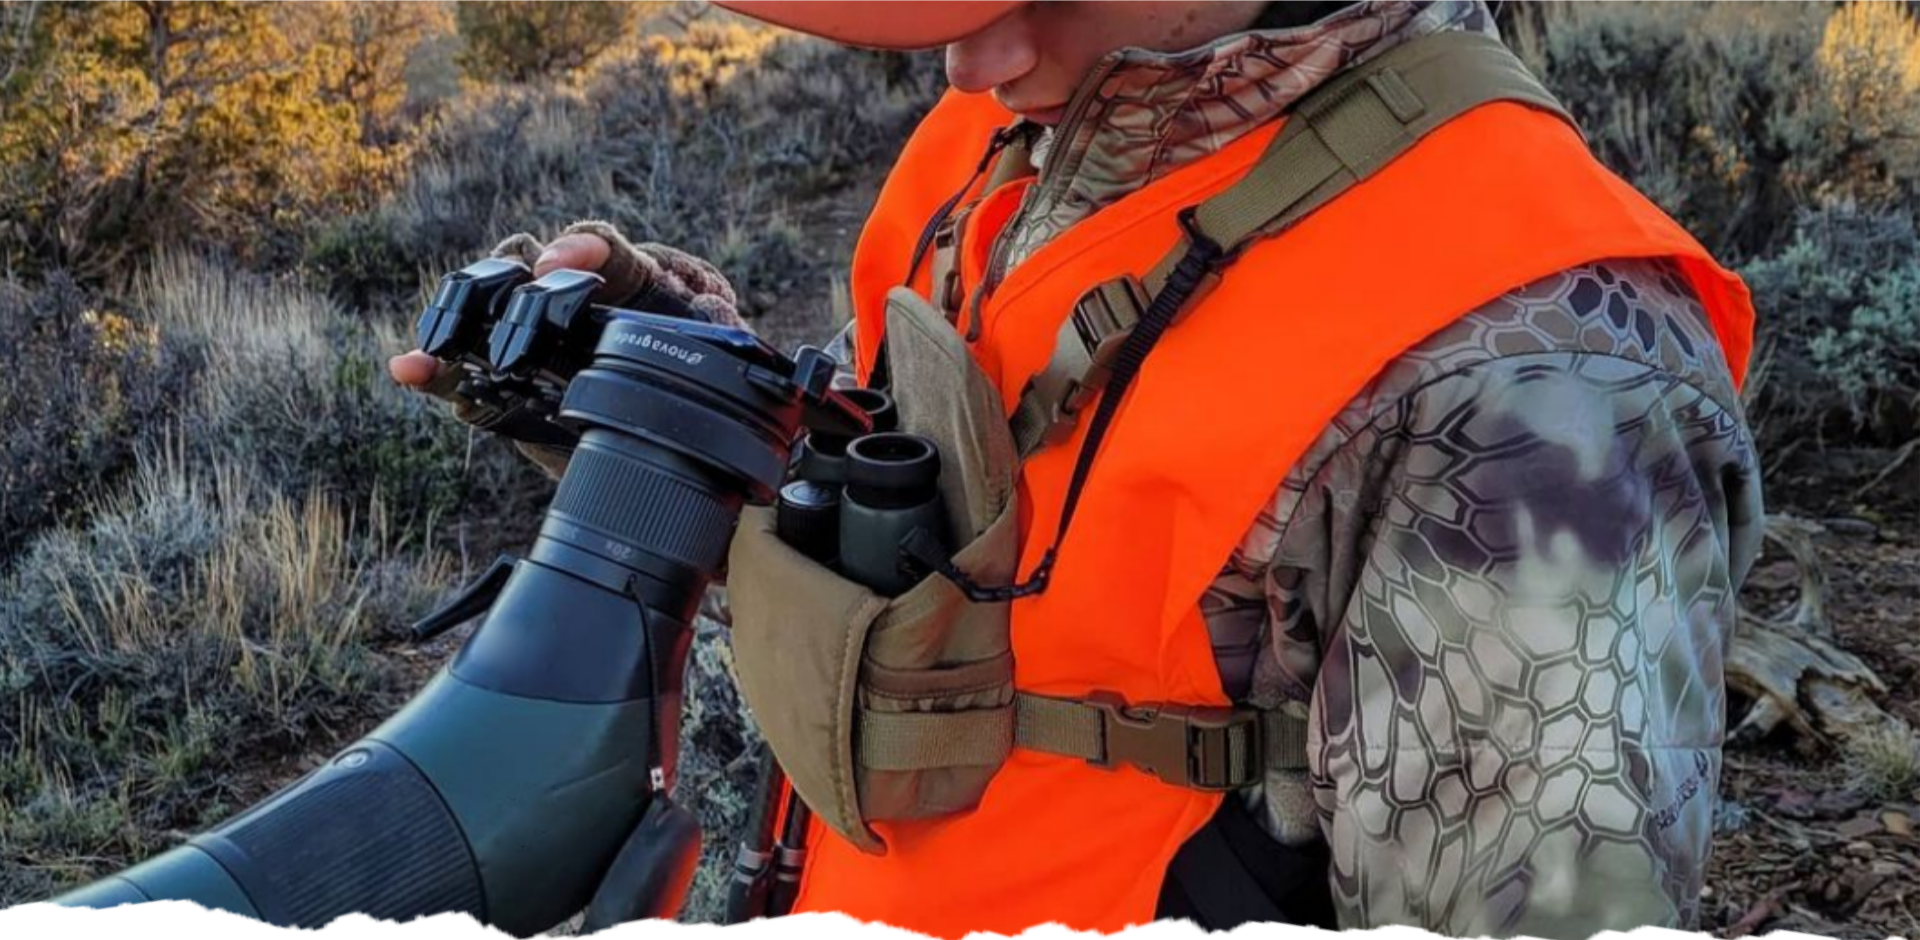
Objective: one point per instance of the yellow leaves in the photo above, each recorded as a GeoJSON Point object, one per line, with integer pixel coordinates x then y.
{"type": "Point", "coordinates": [1869, 56]}
{"type": "Point", "coordinates": [1872, 44]}
{"type": "Point", "coordinates": [709, 56]}
{"type": "Point", "coordinates": [120, 334]}
{"type": "Point", "coordinates": [370, 45]}
{"type": "Point", "coordinates": [143, 123]}
{"type": "Point", "coordinates": [1868, 62]}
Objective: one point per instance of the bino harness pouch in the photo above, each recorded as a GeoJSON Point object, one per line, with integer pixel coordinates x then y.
{"type": "Point", "coordinates": [904, 708]}
{"type": "Point", "coordinates": [892, 708]}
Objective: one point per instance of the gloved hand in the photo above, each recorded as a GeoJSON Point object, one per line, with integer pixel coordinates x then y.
{"type": "Point", "coordinates": [632, 272]}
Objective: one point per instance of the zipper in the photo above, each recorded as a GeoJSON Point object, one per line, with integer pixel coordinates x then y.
{"type": "Point", "coordinates": [1048, 183]}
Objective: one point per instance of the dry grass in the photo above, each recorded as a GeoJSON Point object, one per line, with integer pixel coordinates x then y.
{"type": "Point", "coordinates": [200, 619]}
{"type": "Point", "coordinates": [232, 596]}
{"type": "Point", "coordinates": [1886, 765]}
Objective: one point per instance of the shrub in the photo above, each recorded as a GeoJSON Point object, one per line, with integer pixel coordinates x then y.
{"type": "Point", "coordinates": [519, 40]}
{"type": "Point", "coordinates": [1732, 115]}
{"type": "Point", "coordinates": [200, 619]}
{"type": "Point", "coordinates": [1841, 319]}
{"type": "Point", "coordinates": [733, 142]}
{"type": "Point", "coordinates": [127, 127]}
{"type": "Point", "coordinates": [291, 385]}
{"type": "Point", "coordinates": [81, 385]}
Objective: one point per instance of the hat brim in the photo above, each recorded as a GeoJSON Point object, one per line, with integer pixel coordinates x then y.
{"type": "Point", "coordinates": [922, 24]}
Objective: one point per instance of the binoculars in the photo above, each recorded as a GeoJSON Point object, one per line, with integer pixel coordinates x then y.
{"type": "Point", "coordinates": [857, 499]}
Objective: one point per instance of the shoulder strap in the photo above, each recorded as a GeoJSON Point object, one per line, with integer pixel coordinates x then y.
{"type": "Point", "coordinates": [1340, 134]}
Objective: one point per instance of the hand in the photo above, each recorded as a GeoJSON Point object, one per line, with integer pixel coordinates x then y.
{"type": "Point", "coordinates": [631, 271]}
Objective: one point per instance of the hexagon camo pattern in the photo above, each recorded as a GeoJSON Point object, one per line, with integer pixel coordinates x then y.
{"type": "Point", "coordinates": [1503, 579]}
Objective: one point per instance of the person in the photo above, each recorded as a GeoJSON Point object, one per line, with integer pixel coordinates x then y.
{"type": "Point", "coordinates": [1456, 468]}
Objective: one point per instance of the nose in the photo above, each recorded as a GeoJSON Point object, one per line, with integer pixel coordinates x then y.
{"type": "Point", "coordinates": [996, 55]}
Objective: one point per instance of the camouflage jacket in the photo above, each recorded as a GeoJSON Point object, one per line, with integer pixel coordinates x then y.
{"type": "Point", "coordinates": [1502, 580]}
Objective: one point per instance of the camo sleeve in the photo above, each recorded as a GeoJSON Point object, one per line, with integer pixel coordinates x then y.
{"type": "Point", "coordinates": [1504, 582]}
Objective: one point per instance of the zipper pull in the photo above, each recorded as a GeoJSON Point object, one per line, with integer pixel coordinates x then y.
{"type": "Point", "coordinates": [996, 143]}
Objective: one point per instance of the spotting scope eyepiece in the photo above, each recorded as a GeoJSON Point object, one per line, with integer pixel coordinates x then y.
{"type": "Point", "coordinates": [529, 780]}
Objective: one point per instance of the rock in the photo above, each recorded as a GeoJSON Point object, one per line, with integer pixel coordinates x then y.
{"type": "Point", "coordinates": [1857, 528]}
{"type": "Point", "coordinates": [1836, 803]}
{"type": "Point", "coordinates": [1862, 848]}
{"type": "Point", "coordinates": [1898, 823]}
{"type": "Point", "coordinates": [1858, 827]}
{"type": "Point", "coordinates": [1886, 868]}
{"type": "Point", "coordinates": [1794, 804]}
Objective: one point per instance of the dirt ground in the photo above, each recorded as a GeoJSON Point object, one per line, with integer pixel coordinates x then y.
{"type": "Point", "coordinates": [1798, 845]}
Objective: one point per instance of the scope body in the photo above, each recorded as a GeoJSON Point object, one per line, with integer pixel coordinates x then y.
{"type": "Point", "coordinates": [529, 779]}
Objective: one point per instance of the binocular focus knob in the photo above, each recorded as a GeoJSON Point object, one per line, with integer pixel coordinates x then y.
{"type": "Point", "coordinates": [808, 518]}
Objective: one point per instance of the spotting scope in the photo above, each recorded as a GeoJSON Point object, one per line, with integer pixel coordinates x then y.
{"type": "Point", "coordinates": [529, 780]}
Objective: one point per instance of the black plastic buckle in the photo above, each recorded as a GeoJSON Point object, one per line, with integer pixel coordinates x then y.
{"type": "Point", "coordinates": [1185, 745]}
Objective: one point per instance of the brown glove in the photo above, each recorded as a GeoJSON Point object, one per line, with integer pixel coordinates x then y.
{"type": "Point", "coordinates": [637, 270]}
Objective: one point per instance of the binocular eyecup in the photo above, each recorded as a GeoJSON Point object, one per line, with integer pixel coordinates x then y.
{"type": "Point", "coordinates": [859, 497]}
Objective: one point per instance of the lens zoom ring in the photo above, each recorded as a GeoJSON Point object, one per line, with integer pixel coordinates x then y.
{"type": "Point", "coordinates": [645, 508]}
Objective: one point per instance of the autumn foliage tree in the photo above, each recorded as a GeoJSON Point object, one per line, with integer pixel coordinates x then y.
{"type": "Point", "coordinates": [130, 125]}
{"type": "Point", "coordinates": [376, 41]}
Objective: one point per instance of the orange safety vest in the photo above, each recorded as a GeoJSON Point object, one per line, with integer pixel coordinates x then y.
{"type": "Point", "coordinates": [1232, 395]}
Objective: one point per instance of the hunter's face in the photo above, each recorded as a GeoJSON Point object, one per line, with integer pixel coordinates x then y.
{"type": "Point", "coordinates": [1034, 58]}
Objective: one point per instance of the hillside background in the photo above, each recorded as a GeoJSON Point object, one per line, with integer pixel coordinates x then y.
{"type": "Point", "coordinates": [217, 220]}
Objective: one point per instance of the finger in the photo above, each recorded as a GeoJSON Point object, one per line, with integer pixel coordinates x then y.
{"type": "Point", "coordinates": [415, 368]}
{"type": "Point", "coordinates": [579, 251]}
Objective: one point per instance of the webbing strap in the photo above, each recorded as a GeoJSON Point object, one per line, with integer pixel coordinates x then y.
{"type": "Point", "coordinates": [1340, 134]}
{"type": "Point", "coordinates": [1362, 120]}
{"type": "Point", "coordinates": [1200, 747]}
{"type": "Point", "coordinates": [922, 740]}
{"type": "Point", "coordinates": [1203, 748]}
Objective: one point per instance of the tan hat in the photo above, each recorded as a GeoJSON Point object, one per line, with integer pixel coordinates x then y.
{"type": "Point", "coordinates": [879, 24]}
